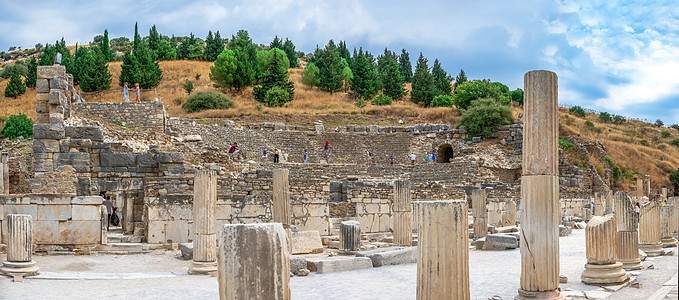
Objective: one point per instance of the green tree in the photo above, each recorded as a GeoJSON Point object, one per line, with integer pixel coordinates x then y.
{"type": "Point", "coordinates": [310, 75]}
{"type": "Point", "coordinates": [213, 46]}
{"type": "Point", "coordinates": [289, 49]}
{"type": "Point", "coordinates": [277, 96]}
{"type": "Point", "coordinates": [330, 68]}
{"type": "Point", "coordinates": [188, 86]}
{"type": "Point", "coordinates": [659, 123]}
{"type": "Point", "coordinates": [347, 74]}
{"type": "Point", "coordinates": [130, 70]}
{"type": "Point", "coordinates": [105, 46]}
{"type": "Point", "coordinates": [150, 73]}
{"type": "Point", "coordinates": [470, 91]}
{"type": "Point", "coordinates": [136, 45]}
{"type": "Point", "coordinates": [484, 116]}
{"type": "Point", "coordinates": [618, 119]}
{"type": "Point", "coordinates": [460, 78]}
{"type": "Point", "coordinates": [577, 110]}
{"type": "Point", "coordinates": [405, 66]}
{"type": "Point", "coordinates": [276, 43]}
{"type": "Point", "coordinates": [18, 125]}
{"type": "Point", "coordinates": [166, 51]}
{"type": "Point", "coordinates": [606, 117]}
{"type": "Point", "coordinates": [31, 72]}
{"type": "Point", "coordinates": [223, 71]}
{"type": "Point", "coordinates": [391, 78]}
{"type": "Point", "coordinates": [276, 76]}
{"type": "Point", "coordinates": [674, 178]}
{"type": "Point", "coordinates": [154, 41]}
{"type": "Point", "coordinates": [191, 48]}
{"type": "Point", "coordinates": [246, 58]}
{"type": "Point", "coordinates": [381, 99]}
{"type": "Point", "coordinates": [423, 83]}
{"type": "Point", "coordinates": [364, 83]}
{"type": "Point", "coordinates": [94, 75]}
{"type": "Point", "coordinates": [15, 86]}
{"type": "Point", "coordinates": [442, 100]}
{"type": "Point", "coordinates": [441, 80]}
{"type": "Point", "coordinates": [517, 96]}
{"type": "Point", "coordinates": [265, 59]}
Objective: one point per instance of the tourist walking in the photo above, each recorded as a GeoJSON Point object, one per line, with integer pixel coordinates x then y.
{"type": "Point", "coordinates": [275, 155]}
{"type": "Point", "coordinates": [126, 93]}
{"type": "Point", "coordinates": [412, 158]}
{"type": "Point", "coordinates": [305, 156]}
{"type": "Point", "coordinates": [428, 159]}
{"type": "Point", "coordinates": [433, 156]}
{"type": "Point", "coordinates": [109, 208]}
{"type": "Point", "coordinates": [637, 210]}
{"type": "Point", "coordinates": [326, 147]}
{"type": "Point", "coordinates": [137, 90]}
{"type": "Point", "coordinates": [264, 155]}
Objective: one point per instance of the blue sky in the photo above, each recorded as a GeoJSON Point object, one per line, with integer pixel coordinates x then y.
{"type": "Point", "coordinates": [615, 56]}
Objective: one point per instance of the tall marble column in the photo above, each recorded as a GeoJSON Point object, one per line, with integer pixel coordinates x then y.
{"type": "Point", "coordinates": [254, 262]}
{"type": "Point", "coordinates": [480, 213]}
{"type": "Point", "coordinates": [666, 216]}
{"type": "Point", "coordinates": [19, 247]}
{"type": "Point", "coordinates": [649, 229]}
{"type": "Point", "coordinates": [628, 235]}
{"type": "Point", "coordinates": [442, 250]}
{"type": "Point", "coordinates": [282, 208]}
{"type": "Point", "coordinates": [540, 189]}
{"type": "Point", "coordinates": [602, 266]}
{"type": "Point", "coordinates": [350, 236]}
{"type": "Point", "coordinates": [403, 214]}
{"type": "Point", "coordinates": [204, 215]}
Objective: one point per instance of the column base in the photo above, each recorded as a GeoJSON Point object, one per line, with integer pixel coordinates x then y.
{"type": "Point", "coordinates": [19, 268]}
{"type": "Point", "coordinates": [539, 295]}
{"type": "Point", "coordinates": [203, 267]}
{"type": "Point", "coordinates": [669, 242]}
{"type": "Point", "coordinates": [654, 249]}
{"type": "Point", "coordinates": [632, 264]}
{"type": "Point", "coordinates": [604, 274]}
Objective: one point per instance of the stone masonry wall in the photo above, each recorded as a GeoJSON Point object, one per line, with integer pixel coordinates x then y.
{"type": "Point", "coordinates": [148, 116]}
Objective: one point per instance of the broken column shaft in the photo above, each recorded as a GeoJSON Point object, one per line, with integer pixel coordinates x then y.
{"type": "Point", "coordinates": [282, 208]}
{"type": "Point", "coordinates": [628, 235]}
{"type": "Point", "coordinates": [649, 229]}
{"type": "Point", "coordinates": [403, 214]}
{"type": "Point", "coordinates": [350, 236]}
{"type": "Point", "coordinates": [19, 247]}
{"type": "Point", "coordinates": [204, 213]}
{"type": "Point", "coordinates": [601, 243]}
{"type": "Point", "coordinates": [480, 213]}
{"type": "Point", "coordinates": [666, 226]}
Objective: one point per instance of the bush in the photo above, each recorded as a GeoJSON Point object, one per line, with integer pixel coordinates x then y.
{"type": "Point", "coordinates": [675, 126]}
{"type": "Point", "coordinates": [197, 76]}
{"type": "Point", "coordinates": [258, 106]}
{"type": "Point", "coordinates": [618, 119]}
{"type": "Point", "coordinates": [188, 87]}
{"type": "Point", "coordinates": [665, 134]}
{"type": "Point", "coordinates": [360, 102]}
{"type": "Point", "coordinates": [277, 96]}
{"type": "Point", "coordinates": [442, 100]}
{"type": "Point", "coordinates": [606, 117]}
{"type": "Point", "coordinates": [659, 123]}
{"type": "Point", "coordinates": [206, 100]}
{"type": "Point", "coordinates": [617, 173]}
{"type": "Point", "coordinates": [564, 144]}
{"type": "Point", "coordinates": [674, 178]}
{"type": "Point", "coordinates": [381, 99]}
{"type": "Point", "coordinates": [644, 142]}
{"type": "Point", "coordinates": [18, 125]}
{"type": "Point", "coordinates": [675, 142]}
{"type": "Point", "coordinates": [589, 123]}
{"type": "Point", "coordinates": [578, 111]}
{"type": "Point", "coordinates": [484, 116]}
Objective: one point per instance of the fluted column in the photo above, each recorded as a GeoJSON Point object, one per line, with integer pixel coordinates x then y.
{"type": "Point", "coordinates": [480, 213]}
{"type": "Point", "coordinates": [540, 189]}
{"type": "Point", "coordinates": [647, 186]}
{"type": "Point", "coordinates": [19, 247]}
{"type": "Point", "coordinates": [4, 157]}
{"type": "Point", "coordinates": [599, 203]}
{"type": "Point", "coordinates": [649, 229]}
{"type": "Point", "coordinates": [204, 215]}
{"type": "Point", "coordinates": [254, 262]}
{"type": "Point", "coordinates": [282, 208]}
{"type": "Point", "coordinates": [666, 215]}
{"type": "Point", "coordinates": [609, 204]}
{"type": "Point", "coordinates": [674, 223]}
{"type": "Point", "coordinates": [640, 189]}
{"type": "Point", "coordinates": [602, 266]}
{"type": "Point", "coordinates": [442, 250]}
{"type": "Point", "coordinates": [403, 214]}
{"type": "Point", "coordinates": [628, 235]}
{"type": "Point", "coordinates": [350, 236]}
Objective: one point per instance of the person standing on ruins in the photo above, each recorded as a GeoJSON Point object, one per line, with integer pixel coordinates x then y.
{"type": "Point", "coordinates": [126, 93]}
{"type": "Point", "coordinates": [305, 156]}
{"type": "Point", "coordinates": [326, 147]}
{"type": "Point", "coordinates": [433, 155]}
{"type": "Point", "coordinates": [275, 155]}
{"type": "Point", "coordinates": [264, 155]}
{"type": "Point", "coordinates": [412, 158]}
{"type": "Point", "coordinates": [137, 90]}
{"type": "Point", "coordinates": [109, 208]}
{"type": "Point", "coordinates": [391, 160]}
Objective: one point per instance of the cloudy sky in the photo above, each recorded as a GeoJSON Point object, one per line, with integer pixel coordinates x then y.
{"type": "Point", "coordinates": [615, 56]}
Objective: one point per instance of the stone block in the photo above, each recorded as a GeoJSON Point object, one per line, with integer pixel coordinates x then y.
{"type": "Point", "coordinates": [297, 262]}
{"type": "Point", "coordinates": [47, 72]}
{"type": "Point", "coordinates": [187, 250]}
{"type": "Point", "coordinates": [316, 223]}
{"type": "Point", "coordinates": [42, 107]}
{"type": "Point", "coordinates": [85, 212]}
{"type": "Point", "coordinates": [305, 242]}
{"type": "Point", "coordinates": [170, 157]}
{"type": "Point", "coordinates": [117, 159]}
{"type": "Point", "coordinates": [390, 256]}
{"type": "Point", "coordinates": [224, 212]}
{"type": "Point", "coordinates": [45, 146]}
{"type": "Point", "coordinates": [156, 232]}
{"type": "Point", "coordinates": [87, 200]}
{"type": "Point", "coordinates": [43, 165]}
{"type": "Point", "coordinates": [42, 86]}
{"type": "Point", "coordinates": [57, 97]}
{"type": "Point", "coordinates": [338, 264]}
{"type": "Point", "coordinates": [500, 242]}
{"type": "Point", "coordinates": [79, 232]}
{"type": "Point", "coordinates": [80, 161]}
{"type": "Point", "coordinates": [44, 131]}
{"type": "Point", "coordinates": [177, 231]}
{"type": "Point", "coordinates": [147, 160]}
{"type": "Point", "coordinates": [46, 231]}
{"type": "Point", "coordinates": [59, 83]}
{"type": "Point", "coordinates": [93, 133]}
{"type": "Point", "coordinates": [54, 212]}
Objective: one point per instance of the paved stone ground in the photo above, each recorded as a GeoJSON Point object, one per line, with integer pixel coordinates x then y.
{"type": "Point", "coordinates": [162, 275]}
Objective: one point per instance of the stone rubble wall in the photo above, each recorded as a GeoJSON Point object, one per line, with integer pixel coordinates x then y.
{"type": "Point", "coordinates": [147, 116]}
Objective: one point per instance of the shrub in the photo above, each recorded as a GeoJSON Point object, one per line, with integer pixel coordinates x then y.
{"type": "Point", "coordinates": [564, 144]}
{"type": "Point", "coordinates": [589, 123]}
{"type": "Point", "coordinates": [606, 117]}
{"type": "Point", "coordinates": [617, 173]}
{"type": "Point", "coordinates": [484, 116]}
{"type": "Point", "coordinates": [618, 119]}
{"type": "Point", "coordinates": [675, 126]}
{"type": "Point", "coordinates": [206, 100]}
{"type": "Point", "coordinates": [277, 96]}
{"type": "Point", "coordinates": [675, 142]}
{"type": "Point", "coordinates": [644, 142]}
{"type": "Point", "coordinates": [197, 76]}
{"type": "Point", "coordinates": [18, 125]}
{"type": "Point", "coordinates": [578, 111]}
{"type": "Point", "coordinates": [258, 106]}
{"type": "Point", "coordinates": [360, 102]}
{"type": "Point", "coordinates": [442, 100]}
{"type": "Point", "coordinates": [674, 178]}
{"type": "Point", "coordinates": [188, 86]}
{"type": "Point", "coordinates": [381, 99]}
{"type": "Point", "coordinates": [659, 123]}
{"type": "Point", "coordinates": [665, 134]}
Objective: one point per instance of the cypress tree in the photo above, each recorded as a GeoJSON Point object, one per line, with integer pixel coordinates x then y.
{"type": "Point", "coordinates": [130, 70]}
{"type": "Point", "coordinates": [441, 80]}
{"type": "Point", "coordinates": [151, 74]}
{"type": "Point", "coordinates": [94, 75]}
{"type": "Point", "coordinates": [105, 48]}
{"type": "Point", "coordinates": [78, 61]}
{"type": "Point", "coordinates": [461, 78]}
{"type": "Point", "coordinates": [154, 41]}
{"type": "Point", "coordinates": [137, 41]}
{"type": "Point", "coordinates": [246, 58]}
{"type": "Point", "coordinates": [391, 79]}
{"type": "Point", "coordinates": [32, 74]}
{"type": "Point", "coordinates": [15, 86]}
{"type": "Point", "coordinates": [276, 43]}
{"type": "Point", "coordinates": [330, 68]}
{"type": "Point", "coordinates": [405, 66]}
{"type": "Point", "coordinates": [213, 46]}
{"type": "Point", "coordinates": [289, 49]}
{"type": "Point", "coordinates": [364, 83]}
{"type": "Point", "coordinates": [423, 83]}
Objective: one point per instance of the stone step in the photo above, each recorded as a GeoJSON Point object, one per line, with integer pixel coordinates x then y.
{"type": "Point", "coordinates": [337, 264]}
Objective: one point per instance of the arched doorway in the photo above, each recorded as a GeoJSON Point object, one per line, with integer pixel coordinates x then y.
{"type": "Point", "coordinates": [444, 153]}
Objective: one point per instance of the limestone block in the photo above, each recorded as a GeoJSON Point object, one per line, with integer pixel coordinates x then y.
{"type": "Point", "coordinates": [297, 262]}
{"type": "Point", "coordinates": [338, 264]}
{"type": "Point", "coordinates": [155, 232]}
{"type": "Point", "coordinates": [53, 212]}
{"type": "Point", "coordinates": [116, 159]}
{"type": "Point", "coordinates": [42, 86]}
{"type": "Point", "coordinates": [59, 83]}
{"type": "Point", "coordinates": [79, 232]}
{"type": "Point", "coordinates": [87, 200]}
{"type": "Point", "coordinates": [316, 223]}
{"type": "Point", "coordinates": [390, 256]}
{"type": "Point", "coordinates": [47, 72]}
{"type": "Point", "coordinates": [80, 161]}
{"type": "Point", "coordinates": [224, 212]}
{"type": "Point", "coordinates": [252, 211]}
{"type": "Point", "coordinates": [93, 133]}
{"type": "Point", "coordinates": [267, 273]}
{"type": "Point", "coordinates": [57, 97]}
{"type": "Point", "coordinates": [500, 242]}
{"type": "Point", "coordinates": [44, 131]}
{"type": "Point", "coordinates": [46, 231]}
{"type": "Point", "coordinates": [45, 146]}
{"type": "Point", "coordinates": [281, 197]}
{"type": "Point", "coordinates": [176, 231]}
{"type": "Point", "coordinates": [85, 212]}
{"type": "Point", "coordinates": [305, 242]}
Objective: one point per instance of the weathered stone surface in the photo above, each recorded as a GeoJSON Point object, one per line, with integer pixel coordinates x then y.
{"type": "Point", "coordinates": [601, 241]}
{"type": "Point", "coordinates": [267, 273]}
{"type": "Point", "coordinates": [93, 133]}
{"type": "Point", "coordinates": [117, 159]}
{"type": "Point", "coordinates": [42, 86]}
{"type": "Point", "coordinates": [500, 242]}
{"type": "Point", "coordinates": [85, 212]}
{"type": "Point", "coordinates": [666, 232]}
{"type": "Point", "coordinates": [297, 263]}
{"type": "Point", "coordinates": [649, 229]}
{"type": "Point", "coordinates": [204, 218]}
{"type": "Point", "coordinates": [403, 223]}
{"type": "Point", "coordinates": [338, 264]}
{"type": "Point", "coordinates": [480, 213]}
{"type": "Point", "coordinates": [305, 242]}
{"type": "Point", "coordinates": [59, 83]}
{"type": "Point", "coordinates": [87, 200]}
{"type": "Point", "coordinates": [44, 131]}
{"type": "Point", "coordinates": [564, 231]}
{"type": "Point", "coordinates": [350, 235]}
{"type": "Point", "coordinates": [390, 256]}
{"type": "Point", "coordinates": [45, 146]}
{"type": "Point", "coordinates": [187, 250]}
{"type": "Point", "coordinates": [47, 72]}
{"type": "Point", "coordinates": [19, 247]}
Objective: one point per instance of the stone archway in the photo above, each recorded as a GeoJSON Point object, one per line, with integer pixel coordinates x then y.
{"type": "Point", "coordinates": [444, 153]}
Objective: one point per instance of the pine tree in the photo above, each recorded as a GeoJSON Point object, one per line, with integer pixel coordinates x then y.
{"type": "Point", "coordinates": [15, 86]}
{"type": "Point", "coordinates": [208, 42]}
{"type": "Point", "coordinates": [441, 80]}
{"type": "Point", "coordinates": [150, 73]}
{"type": "Point", "coordinates": [423, 83]}
{"type": "Point", "coordinates": [276, 76]}
{"type": "Point", "coordinates": [460, 79]}
{"type": "Point", "coordinates": [213, 46]}
{"type": "Point", "coordinates": [364, 83]}
{"type": "Point", "coordinates": [330, 68]}
{"type": "Point", "coordinates": [78, 61]}
{"type": "Point", "coordinates": [276, 43]}
{"type": "Point", "coordinates": [94, 75]}
{"type": "Point", "coordinates": [310, 75]}
{"type": "Point", "coordinates": [289, 49]}
{"type": "Point", "coordinates": [223, 71]}
{"type": "Point", "coordinates": [246, 58]}
{"type": "Point", "coordinates": [154, 41]}
{"type": "Point", "coordinates": [343, 51]}
{"type": "Point", "coordinates": [190, 48]}
{"type": "Point", "coordinates": [32, 74]}
{"type": "Point", "coordinates": [105, 48]}
{"type": "Point", "coordinates": [130, 70]}
{"type": "Point", "coordinates": [390, 77]}
{"type": "Point", "coordinates": [405, 66]}
{"type": "Point", "coordinates": [137, 41]}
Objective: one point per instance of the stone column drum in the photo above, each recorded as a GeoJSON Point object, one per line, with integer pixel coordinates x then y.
{"type": "Point", "coordinates": [254, 262]}
{"type": "Point", "coordinates": [628, 235]}
{"type": "Point", "coordinates": [640, 189]}
{"type": "Point", "coordinates": [540, 189]}
{"type": "Point", "coordinates": [647, 186]}
{"type": "Point", "coordinates": [282, 208]}
{"type": "Point", "coordinates": [19, 247]}
{"type": "Point", "coordinates": [599, 203]}
{"type": "Point", "coordinates": [442, 250]}
{"type": "Point", "coordinates": [666, 215]}
{"type": "Point", "coordinates": [204, 215]}
{"type": "Point", "coordinates": [350, 236]}
{"type": "Point", "coordinates": [649, 229]}
{"type": "Point", "coordinates": [480, 213]}
{"type": "Point", "coordinates": [403, 214]}
{"type": "Point", "coordinates": [602, 266]}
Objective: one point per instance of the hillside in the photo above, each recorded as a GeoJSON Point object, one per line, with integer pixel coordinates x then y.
{"type": "Point", "coordinates": [623, 142]}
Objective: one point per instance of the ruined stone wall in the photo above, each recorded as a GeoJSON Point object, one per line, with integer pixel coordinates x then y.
{"type": "Point", "coordinates": [148, 116]}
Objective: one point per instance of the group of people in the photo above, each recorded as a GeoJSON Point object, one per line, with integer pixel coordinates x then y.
{"type": "Point", "coordinates": [429, 157]}
{"type": "Point", "coordinates": [276, 155]}
{"type": "Point", "coordinates": [126, 92]}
